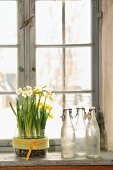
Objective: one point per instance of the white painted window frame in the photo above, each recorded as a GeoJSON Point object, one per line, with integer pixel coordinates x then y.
{"type": "Point", "coordinates": [27, 52]}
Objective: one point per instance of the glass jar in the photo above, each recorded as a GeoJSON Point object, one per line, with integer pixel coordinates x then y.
{"type": "Point", "coordinates": [80, 133]}
{"type": "Point", "coordinates": [35, 143]}
{"type": "Point", "coordinates": [92, 135]}
{"type": "Point", "coordinates": [67, 135]}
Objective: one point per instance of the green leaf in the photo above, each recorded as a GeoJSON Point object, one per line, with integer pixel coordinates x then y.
{"type": "Point", "coordinates": [12, 108]}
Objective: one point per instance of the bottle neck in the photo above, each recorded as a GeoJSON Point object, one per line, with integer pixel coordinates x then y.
{"type": "Point", "coordinates": [93, 115]}
{"type": "Point", "coordinates": [67, 116]}
{"type": "Point", "coordinates": [80, 122]}
{"type": "Point", "coordinates": [80, 114]}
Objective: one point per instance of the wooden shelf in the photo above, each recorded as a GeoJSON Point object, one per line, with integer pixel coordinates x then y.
{"type": "Point", "coordinates": [9, 161]}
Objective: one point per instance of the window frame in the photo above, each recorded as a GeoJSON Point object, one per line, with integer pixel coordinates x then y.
{"type": "Point", "coordinates": [64, 46]}
{"type": "Point", "coordinates": [96, 62]}
{"type": "Point", "coordinates": [27, 52]}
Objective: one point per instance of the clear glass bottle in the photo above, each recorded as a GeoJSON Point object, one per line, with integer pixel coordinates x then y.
{"type": "Point", "coordinates": [80, 133]}
{"type": "Point", "coordinates": [67, 135]}
{"type": "Point", "coordinates": [92, 135]}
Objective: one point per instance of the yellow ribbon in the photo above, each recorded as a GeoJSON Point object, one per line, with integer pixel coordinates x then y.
{"type": "Point", "coordinates": [30, 149]}
{"type": "Point", "coordinates": [36, 142]}
{"type": "Point", "coordinates": [32, 145]}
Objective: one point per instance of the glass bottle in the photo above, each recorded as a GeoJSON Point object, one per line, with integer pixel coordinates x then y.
{"type": "Point", "coordinates": [67, 135]}
{"type": "Point", "coordinates": [92, 135]}
{"type": "Point", "coordinates": [80, 133]}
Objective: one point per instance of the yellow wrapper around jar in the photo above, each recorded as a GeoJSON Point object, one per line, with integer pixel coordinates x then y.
{"type": "Point", "coordinates": [30, 144]}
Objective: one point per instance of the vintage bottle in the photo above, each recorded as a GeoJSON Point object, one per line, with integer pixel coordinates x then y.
{"type": "Point", "coordinates": [67, 135]}
{"type": "Point", "coordinates": [80, 133]}
{"type": "Point", "coordinates": [92, 135]}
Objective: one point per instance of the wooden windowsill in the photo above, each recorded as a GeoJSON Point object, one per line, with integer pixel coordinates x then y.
{"type": "Point", "coordinates": [54, 159]}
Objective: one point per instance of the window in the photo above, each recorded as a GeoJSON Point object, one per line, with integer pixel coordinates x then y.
{"type": "Point", "coordinates": [49, 42]}
{"type": "Point", "coordinates": [64, 53]}
{"type": "Point", "coordinates": [8, 65]}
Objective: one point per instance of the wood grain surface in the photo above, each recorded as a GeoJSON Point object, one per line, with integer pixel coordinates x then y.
{"type": "Point", "coordinates": [59, 168]}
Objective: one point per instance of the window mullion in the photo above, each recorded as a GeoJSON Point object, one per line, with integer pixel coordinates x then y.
{"type": "Point", "coordinates": [63, 52]}
{"type": "Point", "coordinates": [21, 50]}
{"type": "Point", "coordinates": [9, 46]}
{"type": "Point", "coordinates": [64, 45]}
{"type": "Point", "coordinates": [95, 54]}
{"type": "Point", "coordinates": [32, 45]}
{"type": "Point", "coordinates": [27, 42]}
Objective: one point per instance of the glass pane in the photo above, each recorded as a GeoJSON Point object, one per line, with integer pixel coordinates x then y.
{"type": "Point", "coordinates": [56, 122]}
{"type": "Point", "coordinates": [8, 69]}
{"type": "Point", "coordinates": [49, 67]}
{"type": "Point", "coordinates": [79, 99]}
{"type": "Point", "coordinates": [7, 117]}
{"type": "Point", "coordinates": [8, 22]}
{"type": "Point", "coordinates": [78, 21]}
{"type": "Point", "coordinates": [48, 22]}
{"type": "Point", "coordinates": [78, 68]}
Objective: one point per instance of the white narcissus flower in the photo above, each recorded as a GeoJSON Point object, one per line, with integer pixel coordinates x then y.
{"type": "Point", "coordinates": [29, 92]}
{"type": "Point", "coordinates": [19, 91]}
{"type": "Point", "coordinates": [29, 88]}
{"type": "Point", "coordinates": [24, 88]}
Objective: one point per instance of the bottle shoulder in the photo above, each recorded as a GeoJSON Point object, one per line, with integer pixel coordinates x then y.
{"type": "Point", "coordinates": [92, 123]}
{"type": "Point", "coordinates": [80, 124]}
{"type": "Point", "coordinates": [92, 128]}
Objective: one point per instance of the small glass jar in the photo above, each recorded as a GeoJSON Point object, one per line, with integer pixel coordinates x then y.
{"type": "Point", "coordinates": [67, 135]}
{"type": "Point", "coordinates": [92, 135]}
{"type": "Point", "coordinates": [80, 133]}
{"type": "Point", "coordinates": [23, 142]}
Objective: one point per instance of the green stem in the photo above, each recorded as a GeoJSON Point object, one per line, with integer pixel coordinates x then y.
{"type": "Point", "coordinates": [45, 101]}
